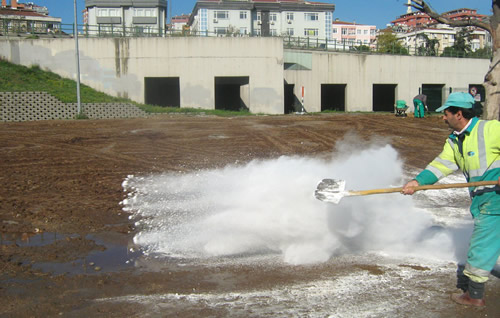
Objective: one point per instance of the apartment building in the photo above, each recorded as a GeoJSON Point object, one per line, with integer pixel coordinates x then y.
{"type": "Point", "coordinates": [445, 35]}
{"type": "Point", "coordinates": [353, 34]}
{"type": "Point", "coordinates": [412, 28]}
{"type": "Point", "coordinates": [419, 19]}
{"type": "Point", "coordinates": [179, 22]}
{"type": "Point", "coordinates": [27, 18]}
{"type": "Point", "coordinates": [263, 18]}
{"type": "Point", "coordinates": [126, 16]}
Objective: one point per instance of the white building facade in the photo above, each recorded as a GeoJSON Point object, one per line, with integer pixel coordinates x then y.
{"type": "Point", "coordinates": [179, 23]}
{"type": "Point", "coordinates": [126, 17]}
{"type": "Point", "coordinates": [413, 39]}
{"type": "Point", "coordinates": [352, 34]}
{"type": "Point", "coordinates": [296, 18]}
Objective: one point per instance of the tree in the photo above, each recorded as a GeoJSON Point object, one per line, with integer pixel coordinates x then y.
{"type": "Point", "coordinates": [232, 31]}
{"type": "Point", "coordinates": [461, 47]}
{"type": "Point", "coordinates": [484, 52]}
{"type": "Point", "coordinates": [387, 42]}
{"type": "Point", "coordinates": [429, 47]}
{"type": "Point", "coordinates": [450, 51]}
{"type": "Point", "coordinates": [462, 41]}
{"type": "Point", "coordinates": [492, 77]}
{"type": "Point", "coordinates": [362, 48]}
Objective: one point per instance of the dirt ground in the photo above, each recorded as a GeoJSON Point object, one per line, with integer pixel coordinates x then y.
{"type": "Point", "coordinates": [61, 184]}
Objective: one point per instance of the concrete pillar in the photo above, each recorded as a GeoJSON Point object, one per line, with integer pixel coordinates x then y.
{"type": "Point", "coordinates": [245, 95]}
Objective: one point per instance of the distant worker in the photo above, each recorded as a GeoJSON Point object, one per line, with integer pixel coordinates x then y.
{"type": "Point", "coordinates": [420, 104]}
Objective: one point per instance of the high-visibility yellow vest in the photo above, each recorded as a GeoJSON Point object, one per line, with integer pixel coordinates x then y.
{"type": "Point", "coordinates": [478, 156]}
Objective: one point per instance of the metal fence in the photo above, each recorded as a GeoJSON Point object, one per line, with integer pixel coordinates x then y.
{"type": "Point", "coordinates": [338, 46]}
{"type": "Point", "coordinates": [18, 29]}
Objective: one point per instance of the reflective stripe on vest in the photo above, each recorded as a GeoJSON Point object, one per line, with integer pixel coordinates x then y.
{"type": "Point", "coordinates": [483, 162]}
{"type": "Point", "coordinates": [448, 164]}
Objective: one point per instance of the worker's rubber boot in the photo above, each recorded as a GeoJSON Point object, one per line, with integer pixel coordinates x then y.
{"type": "Point", "coordinates": [462, 280]}
{"type": "Point", "coordinates": [474, 296]}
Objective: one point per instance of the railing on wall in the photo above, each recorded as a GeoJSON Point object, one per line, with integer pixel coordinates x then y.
{"type": "Point", "coordinates": [332, 45]}
{"type": "Point", "coordinates": [18, 29]}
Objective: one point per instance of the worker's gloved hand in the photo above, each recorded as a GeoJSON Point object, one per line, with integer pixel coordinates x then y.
{"type": "Point", "coordinates": [408, 187]}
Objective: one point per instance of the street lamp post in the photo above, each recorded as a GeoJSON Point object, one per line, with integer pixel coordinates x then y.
{"type": "Point", "coordinates": [77, 53]}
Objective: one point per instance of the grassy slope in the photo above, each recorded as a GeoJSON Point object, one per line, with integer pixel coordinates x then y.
{"type": "Point", "coordinates": [18, 78]}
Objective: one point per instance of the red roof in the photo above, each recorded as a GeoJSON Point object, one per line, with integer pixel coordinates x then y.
{"type": "Point", "coordinates": [417, 17]}
{"type": "Point", "coordinates": [24, 13]}
{"type": "Point", "coordinates": [181, 18]}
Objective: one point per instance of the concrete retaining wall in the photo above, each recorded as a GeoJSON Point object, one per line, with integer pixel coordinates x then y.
{"type": "Point", "coordinates": [118, 66]}
{"type": "Point", "coordinates": [361, 71]}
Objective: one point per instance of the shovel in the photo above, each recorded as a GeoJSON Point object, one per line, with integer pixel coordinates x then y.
{"type": "Point", "coordinates": [331, 190]}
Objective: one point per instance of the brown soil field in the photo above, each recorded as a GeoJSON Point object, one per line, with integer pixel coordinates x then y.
{"type": "Point", "coordinates": [61, 184]}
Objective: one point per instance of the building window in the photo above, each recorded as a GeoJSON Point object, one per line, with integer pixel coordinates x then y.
{"type": "Point", "coordinates": [243, 15]}
{"type": "Point", "coordinates": [372, 32]}
{"type": "Point", "coordinates": [222, 15]}
{"type": "Point", "coordinates": [311, 32]}
{"type": "Point", "coordinates": [273, 17]}
{"type": "Point", "coordinates": [204, 21]}
{"type": "Point", "coordinates": [273, 32]}
{"type": "Point", "coordinates": [328, 24]}
{"type": "Point", "coordinates": [105, 28]}
{"type": "Point", "coordinates": [352, 32]}
{"type": "Point", "coordinates": [311, 16]}
{"type": "Point", "coordinates": [220, 31]}
{"type": "Point", "coordinates": [243, 31]}
{"type": "Point", "coordinates": [359, 32]}
{"type": "Point", "coordinates": [290, 31]}
{"type": "Point", "coordinates": [102, 13]}
{"type": "Point", "coordinates": [365, 32]}
{"type": "Point", "coordinates": [344, 31]}
{"type": "Point", "coordinates": [108, 12]}
{"type": "Point", "coordinates": [144, 12]}
{"type": "Point", "coordinates": [334, 30]}
{"type": "Point", "coordinates": [289, 16]}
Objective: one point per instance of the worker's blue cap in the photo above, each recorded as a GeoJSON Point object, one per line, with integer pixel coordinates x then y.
{"type": "Point", "coordinates": [458, 99]}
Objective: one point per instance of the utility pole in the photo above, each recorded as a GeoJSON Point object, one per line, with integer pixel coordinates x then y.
{"type": "Point", "coordinates": [170, 11]}
{"type": "Point", "coordinates": [77, 54]}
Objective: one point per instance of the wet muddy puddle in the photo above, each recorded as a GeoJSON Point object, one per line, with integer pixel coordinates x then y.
{"type": "Point", "coordinates": [115, 252]}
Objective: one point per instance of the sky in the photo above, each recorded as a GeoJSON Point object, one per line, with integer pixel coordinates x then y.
{"type": "Point", "coordinates": [372, 12]}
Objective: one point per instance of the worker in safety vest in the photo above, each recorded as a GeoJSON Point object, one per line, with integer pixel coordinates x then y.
{"type": "Point", "coordinates": [474, 148]}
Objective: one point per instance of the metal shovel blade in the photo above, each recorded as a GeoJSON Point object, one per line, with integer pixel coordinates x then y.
{"type": "Point", "coordinates": [330, 190]}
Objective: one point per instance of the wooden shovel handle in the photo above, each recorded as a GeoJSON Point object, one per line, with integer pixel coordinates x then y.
{"type": "Point", "coordinates": [425, 187]}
